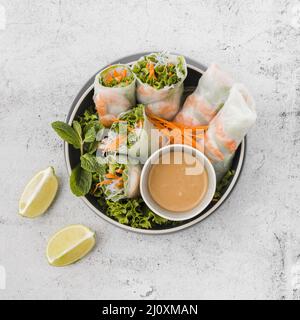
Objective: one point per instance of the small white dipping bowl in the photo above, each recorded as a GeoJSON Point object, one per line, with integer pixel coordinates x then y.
{"type": "Point", "coordinates": [170, 215]}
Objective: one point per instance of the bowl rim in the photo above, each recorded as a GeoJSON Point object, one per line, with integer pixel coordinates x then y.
{"type": "Point", "coordinates": [192, 64]}
{"type": "Point", "coordinates": [202, 204]}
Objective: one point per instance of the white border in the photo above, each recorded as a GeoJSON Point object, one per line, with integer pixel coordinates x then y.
{"type": "Point", "coordinates": [145, 231]}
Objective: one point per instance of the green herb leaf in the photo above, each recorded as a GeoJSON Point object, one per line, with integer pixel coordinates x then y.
{"type": "Point", "coordinates": [80, 181]}
{"type": "Point", "coordinates": [165, 72]}
{"type": "Point", "coordinates": [90, 135]}
{"type": "Point", "coordinates": [77, 127]}
{"type": "Point", "coordinates": [91, 147]}
{"type": "Point", "coordinates": [108, 79]}
{"type": "Point", "coordinates": [131, 117]}
{"type": "Point", "coordinates": [133, 212]}
{"type": "Point", "coordinates": [67, 133]}
{"type": "Point", "coordinates": [223, 184]}
{"type": "Point", "coordinates": [91, 164]}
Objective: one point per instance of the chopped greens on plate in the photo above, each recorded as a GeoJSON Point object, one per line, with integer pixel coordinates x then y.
{"type": "Point", "coordinates": [223, 184]}
{"type": "Point", "coordinates": [129, 125]}
{"type": "Point", "coordinates": [135, 213]}
{"type": "Point", "coordinates": [116, 76]}
{"type": "Point", "coordinates": [157, 71]}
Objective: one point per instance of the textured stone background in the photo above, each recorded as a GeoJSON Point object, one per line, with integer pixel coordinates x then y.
{"type": "Point", "coordinates": [248, 248]}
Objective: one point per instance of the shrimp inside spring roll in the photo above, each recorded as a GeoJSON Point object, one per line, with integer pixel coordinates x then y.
{"type": "Point", "coordinates": [121, 178]}
{"type": "Point", "coordinates": [227, 130]}
{"type": "Point", "coordinates": [134, 135]}
{"type": "Point", "coordinates": [114, 92]}
{"type": "Point", "coordinates": [160, 79]}
{"type": "Point", "coordinates": [210, 95]}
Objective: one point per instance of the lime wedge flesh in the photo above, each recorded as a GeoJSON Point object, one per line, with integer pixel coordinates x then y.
{"type": "Point", "coordinates": [39, 193]}
{"type": "Point", "coordinates": [69, 245]}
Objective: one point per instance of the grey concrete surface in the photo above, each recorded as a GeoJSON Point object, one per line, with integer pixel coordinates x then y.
{"type": "Point", "coordinates": [249, 248]}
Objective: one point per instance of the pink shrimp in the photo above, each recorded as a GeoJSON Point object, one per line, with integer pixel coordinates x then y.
{"type": "Point", "coordinates": [166, 110]}
{"type": "Point", "coordinates": [212, 149]}
{"type": "Point", "coordinates": [144, 91]}
{"type": "Point", "coordinates": [228, 143]}
{"type": "Point", "coordinates": [194, 105]}
{"type": "Point", "coordinates": [186, 120]}
{"type": "Point", "coordinates": [109, 106]}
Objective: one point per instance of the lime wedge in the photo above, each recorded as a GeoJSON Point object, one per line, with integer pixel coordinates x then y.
{"type": "Point", "coordinates": [69, 245]}
{"type": "Point", "coordinates": [38, 194]}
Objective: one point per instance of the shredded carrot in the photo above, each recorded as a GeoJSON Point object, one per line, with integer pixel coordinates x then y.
{"type": "Point", "coordinates": [177, 132]}
{"type": "Point", "coordinates": [158, 125]}
{"type": "Point", "coordinates": [109, 78]}
{"type": "Point", "coordinates": [111, 176]}
{"type": "Point", "coordinates": [194, 127]}
{"type": "Point", "coordinates": [120, 185]}
{"type": "Point", "coordinates": [105, 182]}
{"type": "Point", "coordinates": [152, 72]}
{"type": "Point", "coordinates": [140, 123]}
{"type": "Point", "coordinates": [119, 76]}
{"type": "Point", "coordinates": [118, 120]}
{"type": "Point", "coordinates": [119, 171]}
{"type": "Point", "coordinates": [150, 67]}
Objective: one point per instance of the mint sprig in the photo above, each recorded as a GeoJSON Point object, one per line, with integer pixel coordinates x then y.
{"type": "Point", "coordinates": [82, 135]}
{"type": "Point", "coordinates": [80, 181]}
{"type": "Point", "coordinates": [67, 133]}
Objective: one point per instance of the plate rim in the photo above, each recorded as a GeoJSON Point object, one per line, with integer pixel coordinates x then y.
{"type": "Point", "coordinates": [70, 117]}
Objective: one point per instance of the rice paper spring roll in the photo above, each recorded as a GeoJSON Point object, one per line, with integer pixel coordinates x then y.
{"type": "Point", "coordinates": [132, 135]}
{"type": "Point", "coordinates": [210, 95]}
{"type": "Point", "coordinates": [121, 179]}
{"type": "Point", "coordinates": [160, 79]}
{"type": "Point", "coordinates": [114, 92]}
{"type": "Point", "coordinates": [227, 130]}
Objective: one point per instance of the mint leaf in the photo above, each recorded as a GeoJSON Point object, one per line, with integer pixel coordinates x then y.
{"type": "Point", "coordinates": [77, 128]}
{"type": "Point", "coordinates": [67, 133]}
{"type": "Point", "coordinates": [80, 181]}
{"type": "Point", "coordinates": [91, 164]}
{"type": "Point", "coordinates": [91, 147]}
{"type": "Point", "coordinates": [90, 135]}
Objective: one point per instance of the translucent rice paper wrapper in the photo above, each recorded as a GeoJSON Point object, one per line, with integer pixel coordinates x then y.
{"type": "Point", "coordinates": [210, 95]}
{"type": "Point", "coordinates": [110, 102]}
{"type": "Point", "coordinates": [164, 102]}
{"type": "Point", "coordinates": [227, 130]}
{"type": "Point", "coordinates": [131, 183]}
{"type": "Point", "coordinates": [147, 140]}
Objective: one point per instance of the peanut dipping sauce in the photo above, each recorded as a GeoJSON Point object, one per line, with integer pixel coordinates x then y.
{"type": "Point", "coordinates": [178, 182]}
